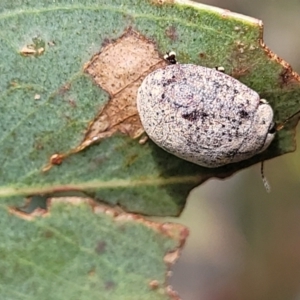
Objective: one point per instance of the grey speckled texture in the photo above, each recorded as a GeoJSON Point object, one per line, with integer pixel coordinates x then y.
{"type": "Point", "coordinates": [203, 116]}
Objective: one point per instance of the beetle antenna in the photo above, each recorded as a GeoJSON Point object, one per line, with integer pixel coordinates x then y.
{"type": "Point", "coordinates": [281, 125]}
{"type": "Point", "coordinates": [264, 178]}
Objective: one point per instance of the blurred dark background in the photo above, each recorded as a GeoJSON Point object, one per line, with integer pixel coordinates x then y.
{"type": "Point", "coordinates": [245, 243]}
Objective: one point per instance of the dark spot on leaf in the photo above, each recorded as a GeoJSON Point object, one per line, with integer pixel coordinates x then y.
{"type": "Point", "coordinates": [130, 159]}
{"type": "Point", "coordinates": [72, 103]}
{"type": "Point", "coordinates": [122, 228]}
{"type": "Point", "coordinates": [109, 285]}
{"type": "Point", "coordinates": [287, 76]}
{"type": "Point", "coordinates": [106, 41]}
{"type": "Point", "coordinates": [65, 88]}
{"type": "Point", "coordinates": [240, 71]}
{"type": "Point", "coordinates": [51, 43]}
{"type": "Point", "coordinates": [92, 272]}
{"type": "Point", "coordinates": [48, 234]}
{"type": "Point", "coordinates": [100, 248]}
{"type": "Point", "coordinates": [171, 33]}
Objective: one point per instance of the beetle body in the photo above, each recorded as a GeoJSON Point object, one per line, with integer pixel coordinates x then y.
{"type": "Point", "coordinates": [204, 116]}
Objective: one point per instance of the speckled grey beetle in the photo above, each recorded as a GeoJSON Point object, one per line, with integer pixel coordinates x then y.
{"type": "Point", "coordinates": [204, 116]}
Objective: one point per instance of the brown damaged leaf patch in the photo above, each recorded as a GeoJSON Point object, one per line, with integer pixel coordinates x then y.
{"type": "Point", "coordinates": [36, 48]}
{"type": "Point", "coordinates": [119, 69]}
{"type": "Point", "coordinates": [175, 231]}
{"type": "Point", "coordinates": [288, 77]}
{"type": "Point", "coordinates": [171, 33]}
{"type": "Point", "coordinates": [172, 230]}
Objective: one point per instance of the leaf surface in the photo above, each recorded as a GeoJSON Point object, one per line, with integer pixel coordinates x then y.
{"type": "Point", "coordinates": [80, 250]}
{"type": "Point", "coordinates": [68, 95]}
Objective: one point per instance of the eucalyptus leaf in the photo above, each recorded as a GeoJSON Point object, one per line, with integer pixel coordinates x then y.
{"type": "Point", "coordinates": [78, 250]}
{"type": "Point", "coordinates": [53, 100]}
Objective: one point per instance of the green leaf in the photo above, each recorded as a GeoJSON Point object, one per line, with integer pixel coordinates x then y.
{"type": "Point", "coordinates": [78, 250]}
{"type": "Point", "coordinates": [55, 99]}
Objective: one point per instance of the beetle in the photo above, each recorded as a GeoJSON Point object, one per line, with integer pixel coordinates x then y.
{"type": "Point", "coordinates": [203, 115]}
